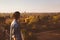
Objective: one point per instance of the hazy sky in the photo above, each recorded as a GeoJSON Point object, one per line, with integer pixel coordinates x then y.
{"type": "Point", "coordinates": [30, 5]}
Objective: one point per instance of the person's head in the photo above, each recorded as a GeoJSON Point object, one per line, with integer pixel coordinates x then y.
{"type": "Point", "coordinates": [16, 15]}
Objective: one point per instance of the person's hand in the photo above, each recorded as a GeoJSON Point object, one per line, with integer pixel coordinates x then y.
{"type": "Point", "coordinates": [13, 37]}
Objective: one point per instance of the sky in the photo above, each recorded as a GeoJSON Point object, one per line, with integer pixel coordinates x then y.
{"type": "Point", "coordinates": [30, 5]}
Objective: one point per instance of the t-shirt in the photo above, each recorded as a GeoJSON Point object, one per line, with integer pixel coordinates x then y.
{"type": "Point", "coordinates": [14, 28]}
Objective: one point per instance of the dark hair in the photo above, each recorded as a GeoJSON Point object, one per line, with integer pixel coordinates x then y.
{"type": "Point", "coordinates": [16, 14]}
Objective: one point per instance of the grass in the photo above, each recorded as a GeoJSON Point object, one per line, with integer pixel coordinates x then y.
{"type": "Point", "coordinates": [37, 27]}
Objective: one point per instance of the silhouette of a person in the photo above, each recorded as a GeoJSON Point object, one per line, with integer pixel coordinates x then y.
{"type": "Point", "coordinates": [15, 27]}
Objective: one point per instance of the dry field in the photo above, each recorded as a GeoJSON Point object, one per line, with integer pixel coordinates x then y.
{"type": "Point", "coordinates": [34, 26]}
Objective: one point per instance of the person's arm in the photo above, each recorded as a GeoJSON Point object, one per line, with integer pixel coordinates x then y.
{"type": "Point", "coordinates": [10, 33]}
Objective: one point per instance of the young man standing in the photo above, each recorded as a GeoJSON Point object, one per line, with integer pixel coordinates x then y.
{"type": "Point", "coordinates": [15, 27]}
